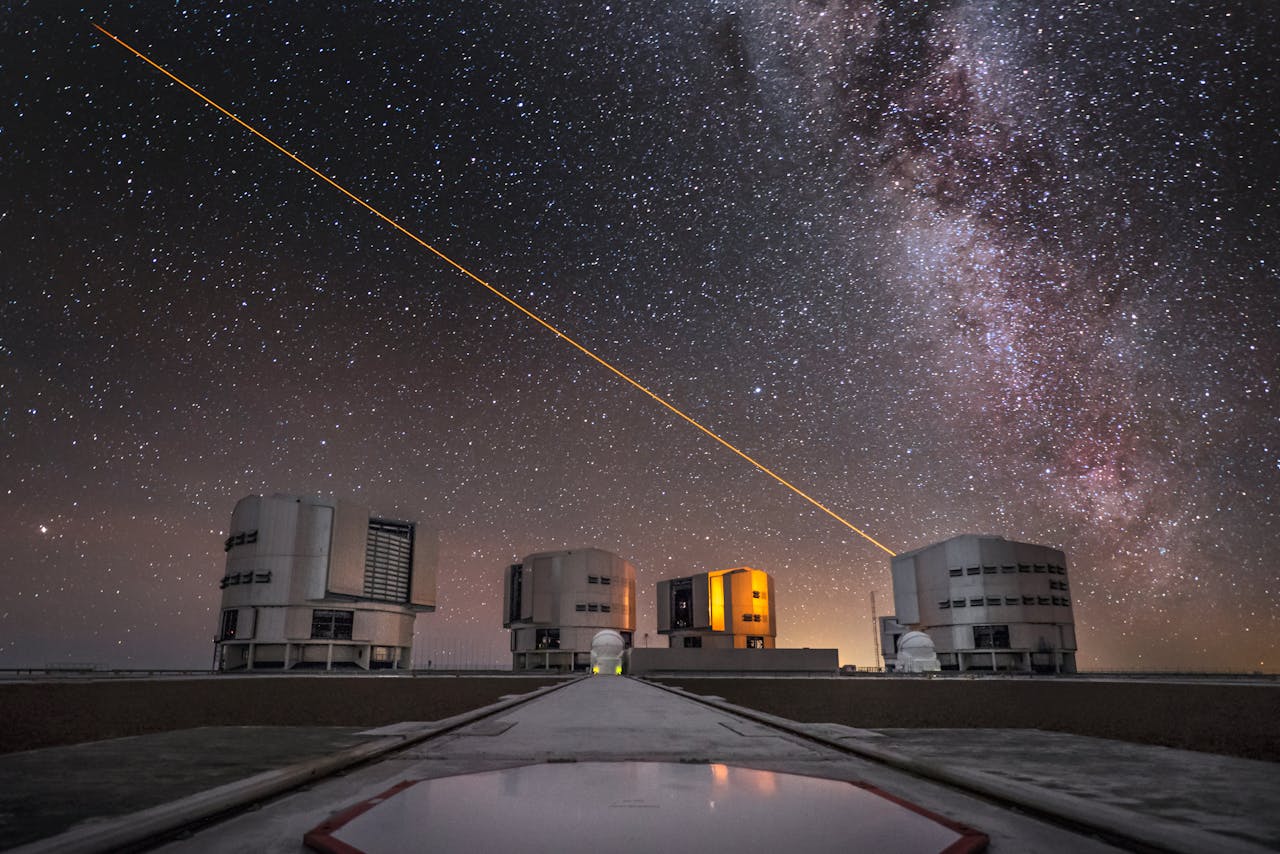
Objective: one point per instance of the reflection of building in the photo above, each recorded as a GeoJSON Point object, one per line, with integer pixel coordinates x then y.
{"type": "Point", "coordinates": [989, 603]}
{"type": "Point", "coordinates": [312, 583]}
{"type": "Point", "coordinates": [556, 602]}
{"type": "Point", "coordinates": [724, 609]}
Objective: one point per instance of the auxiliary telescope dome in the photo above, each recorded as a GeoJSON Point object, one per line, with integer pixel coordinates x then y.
{"type": "Point", "coordinates": [917, 654]}
{"type": "Point", "coordinates": [606, 653]}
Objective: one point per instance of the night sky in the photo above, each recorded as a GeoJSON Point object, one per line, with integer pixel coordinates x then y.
{"type": "Point", "coordinates": [966, 267]}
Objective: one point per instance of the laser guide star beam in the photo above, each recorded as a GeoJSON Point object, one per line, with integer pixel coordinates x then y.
{"type": "Point", "coordinates": [618, 372]}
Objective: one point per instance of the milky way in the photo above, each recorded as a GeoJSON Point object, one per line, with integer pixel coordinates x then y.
{"type": "Point", "coordinates": [950, 267]}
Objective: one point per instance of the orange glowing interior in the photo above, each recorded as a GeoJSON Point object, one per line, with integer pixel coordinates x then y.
{"type": "Point", "coordinates": [716, 583]}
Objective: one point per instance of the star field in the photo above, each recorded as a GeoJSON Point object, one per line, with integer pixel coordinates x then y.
{"type": "Point", "coordinates": [961, 267]}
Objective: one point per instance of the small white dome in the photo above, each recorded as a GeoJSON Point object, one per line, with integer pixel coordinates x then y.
{"type": "Point", "coordinates": [916, 641]}
{"type": "Point", "coordinates": [917, 654]}
{"type": "Point", "coordinates": [607, 643]}
{"type": "Point", "coordinates": [606, 653]}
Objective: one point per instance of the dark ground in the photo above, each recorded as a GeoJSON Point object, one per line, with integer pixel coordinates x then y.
{"type": "Point", "coordinates": [1230, 719]}
{"type": "Point", "coordinates": [43, 714]}
{"type": "Point", "coordinates": [44, 792]}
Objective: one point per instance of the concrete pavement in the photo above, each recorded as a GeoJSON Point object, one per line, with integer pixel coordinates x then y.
{"type": "Point", "coordinates": [616, 720]}
{"type": "Point", "coordinates": [1230, 804]}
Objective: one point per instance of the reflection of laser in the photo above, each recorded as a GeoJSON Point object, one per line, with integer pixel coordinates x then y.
{"type": "Point", "coordinates": [527, 312]}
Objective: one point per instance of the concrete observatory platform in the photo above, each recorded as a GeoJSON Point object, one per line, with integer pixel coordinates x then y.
{"type": "Point", "coordinates": [618, 765]}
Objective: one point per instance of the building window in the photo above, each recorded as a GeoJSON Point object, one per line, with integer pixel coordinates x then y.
{"type": "Point", "coordinates": [1028, 600]}
{"type": "Point", "coordinates": [1040, 567]}
{"type": "Point", "coordinates": [1043, 600]}
{"type": "Point", "coordinates": [956, 573]}
{"type": "Point", "coordinates": [388, 560]}
{"type": "Point", "coordinates": [693, 643]}
{"type": "Point", "coordinates": [957, 603]}
{"type": "Point", "coordinates": [1011, 600]}
{"type": "Point", "coordinates": [988, 570]}
{"type": "Point", "coordinates": [993, 600]}
{"type": "Point", "coordinates": [755, 618]}
{"type": "Point", "coordinates": [755, 594]}
{"type": "Point", "coordinates": [604, 579]}
{"type": "Point", "coordinates": [331, 625]}
{"type": "Point", "coordinates": [606, 609]}
{"type": "Point", "coordinates": [580, 607]}
{"type": "Point", "coordinates": [547, 639]}
{"type": "Point", "coordinates": [1008, 569]}
{"type": "Point", "coordinates": [746, 618]}
{"type": "Point", "coordinates": [230, 618]}
{"type": "Point", "coordinates": [945, 603]}
{"type": "Point", "coordinates": [974, 570]}
{"type": "Point", "coordinates": [755, 643]}
{"type": "Point", "coordinates": [593, 607]}
{"type": "Point", "coordinates": [1024, 567]}
{"type": "Point", "coordinates": [593, 579]}
{"type": "Point", "coordinates": [975, 600]}
{"type": "Point", "coordinates": [990, 637]}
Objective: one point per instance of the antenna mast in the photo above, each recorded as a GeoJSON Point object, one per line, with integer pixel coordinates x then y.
{"type": "Point", "coordinates": [875, 631]}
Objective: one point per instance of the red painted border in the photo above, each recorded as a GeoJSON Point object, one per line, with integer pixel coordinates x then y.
{"type": "Point", "coordinates": [971, 841]}
{"type": "Point", "coordinates": [320, 838]}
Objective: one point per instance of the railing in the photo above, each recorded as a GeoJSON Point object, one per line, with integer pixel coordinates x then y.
{"type": "Point", "coordinates": [1148, 673]}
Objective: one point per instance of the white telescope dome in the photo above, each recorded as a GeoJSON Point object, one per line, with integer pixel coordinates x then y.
{"type": "Point", "coordinates": [916, 654]}
{"type": "Point", "coordinates": [606, 653]}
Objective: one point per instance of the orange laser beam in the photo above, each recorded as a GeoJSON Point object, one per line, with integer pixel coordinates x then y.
{"type": "Point", "coordinates": [496, 292]}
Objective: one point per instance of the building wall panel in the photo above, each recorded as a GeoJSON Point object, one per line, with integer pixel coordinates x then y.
{"type": "Point", "coordinates": [347, 549]}
{"type": "Point", "coordinates": [426, 560]}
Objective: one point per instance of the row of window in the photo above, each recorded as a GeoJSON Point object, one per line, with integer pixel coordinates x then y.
{"type": "Point", "coordinates": [239, 539]}
{"type": "Point", "coordinates": [599, 579]}
{"type": "Point", "coordinates": [750, 618]}
{"type": "Point", "coordinates": [550, 639]}
{"type": "Point", "coordinates": [245, 578]}
{"type": "Point", "coordinates": [592, 606]}
{"type": "Point", "coordinates": [1008, 569]}
{"type": "Point", "coordinates": [695, 642]}
{"type": "Point", "coordinates": [978, 601]}
{"type": "Point", "coordinates": [1057, 585]}
{"type": "Point", "coordinates": [325, 624]}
